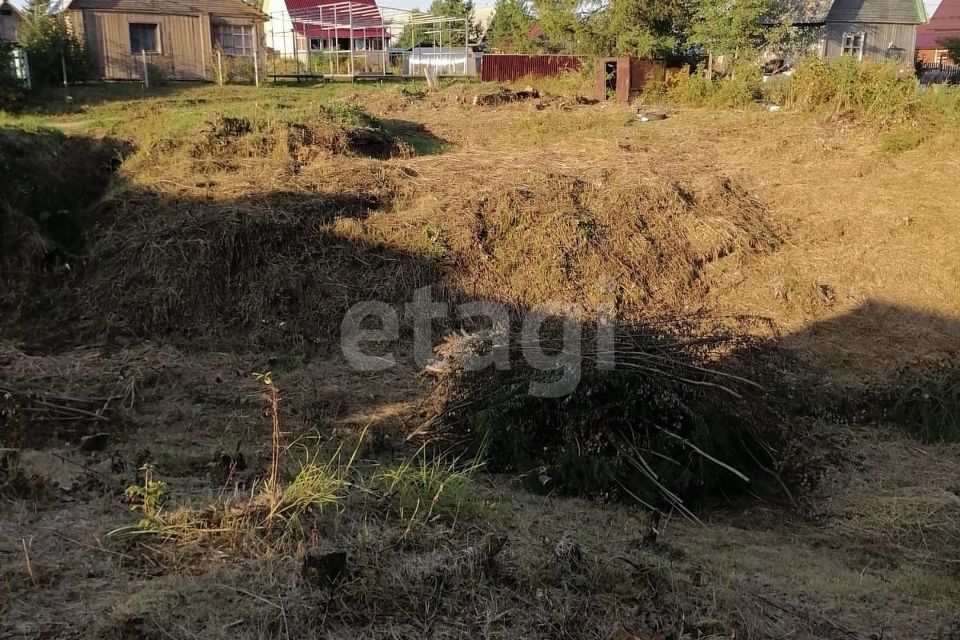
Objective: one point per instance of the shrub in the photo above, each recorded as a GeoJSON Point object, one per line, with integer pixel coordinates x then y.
{"type": "Point", "coordinates": [157, 75]}
{"type": "Point", "coordinates": [737, 89]}
{"type": "Point", "coordinates": [901, 140]}
{"type": "Point", "coordinates": [880, 92]}
{"type": "Point", "coordinates": [50, 45]}
{"type": "Point", "coordinates": [11, 91]}
{"type": "Point", "coordinates": [848, 85]}
{"type": "Point", "coordinates": [237, 70]}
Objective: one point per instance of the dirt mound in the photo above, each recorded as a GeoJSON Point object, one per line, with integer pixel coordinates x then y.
{"type": "Point", "coordinates": [263, 270]}
{"type": "Point", "coordinates": [330, 131]}
{"type": "Point", "coordinates": [252, 272]}
{"type": "Point", "coordinates": [638, 236]}
{"type": "Point", "coordinates": [49, 182]}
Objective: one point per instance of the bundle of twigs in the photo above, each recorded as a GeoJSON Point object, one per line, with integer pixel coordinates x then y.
{"type": "Point", "coordinates": [53, 406]}
{"type": "Point", "coordinates": [671, 419]}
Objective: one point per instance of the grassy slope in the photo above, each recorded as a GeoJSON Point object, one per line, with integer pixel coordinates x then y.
{"type": "Point", "coordinates": [878, 549]}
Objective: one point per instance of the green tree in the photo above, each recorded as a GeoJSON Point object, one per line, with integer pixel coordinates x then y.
{"type": "Point", "coordinates": [737, 28]}
{"type": "Point", "coordinates": [510, 27]}
{"type": "Point", "coordinates": [51, 46]}
{"type": "Point", "coordinates": [425, 32]}
{"type": "Point", "coordinates": [412, 32]}
{"type": "Point", "coordinates": [563, 25]}
{"type": "Point", "coordinates": [642, 28]}
{"type": "Point", "coordinates": [453, 32]}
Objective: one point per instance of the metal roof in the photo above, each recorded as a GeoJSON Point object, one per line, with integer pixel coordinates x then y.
{"type": "Point", "coordinates": [945, 23]}
{"type": "Point", "coordinates": [815, 12]}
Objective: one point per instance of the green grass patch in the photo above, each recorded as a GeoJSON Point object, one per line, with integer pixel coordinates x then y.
{"type": "Point", "coordinates": [901, 140]}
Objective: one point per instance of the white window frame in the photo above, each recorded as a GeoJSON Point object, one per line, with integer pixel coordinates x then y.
{"type": "Point", "coordinates": [853, 43]}
{"type": "Point", "coordinates": [243, 32]}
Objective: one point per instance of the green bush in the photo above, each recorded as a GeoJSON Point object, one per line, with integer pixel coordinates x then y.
{"type": "Point", "coordinates": [11, 91]}
{"type": "Point", "coordinates": [157, 75]}
{"type": "Point", "coordinates": [50, 45]}
{"type": "Point", "coordinates": [737, 89]}
{"type": "Point", "coordinates": [237, 70]}
{"type": "Point", "coordinates": [870, 90]}
{"type": "Point", "coordinates": [901, 140]}
{"type": "Point", "coordinates": [848, 85]}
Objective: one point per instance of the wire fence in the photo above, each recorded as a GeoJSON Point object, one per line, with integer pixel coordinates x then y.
{"type": "Point", "coordinates": [353, 38]}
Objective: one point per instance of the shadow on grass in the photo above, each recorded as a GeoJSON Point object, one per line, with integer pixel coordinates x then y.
{"type": "Point", "coordinates": [54, 101]}
{"type": "Point", "coordinates": [423, 141]}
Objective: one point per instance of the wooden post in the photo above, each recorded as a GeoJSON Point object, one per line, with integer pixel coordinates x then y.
{"type": "Point", "coordinates": [219, 68]}
{"type": "Point", "coordinates": [256, 69]}
{"type": "Point", "coordinates": [146, 70]}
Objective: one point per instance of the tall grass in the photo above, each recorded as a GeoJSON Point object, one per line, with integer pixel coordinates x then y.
{"type": "Point", "coordinates": [740, 88]}
{"type": "Point", "coordinates": [425, 488]}
{"type": "Point", "coordinates": [871, 91]}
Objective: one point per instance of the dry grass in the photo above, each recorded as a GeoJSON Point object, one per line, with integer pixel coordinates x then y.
{"type": "Point", "coordinates": [613, 226]}
{"type": "Point", "coordinates": [256, 248]}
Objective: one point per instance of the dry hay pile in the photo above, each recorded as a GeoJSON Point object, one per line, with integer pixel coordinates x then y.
{"type": "Point", "coordinates": [633, 232]}
{"type": "Point", "coordinates": [336, 130]}
{"type": "Point", "coordinates": [670, 421]}
{"type": "Point", "coordinates": [247, 273]}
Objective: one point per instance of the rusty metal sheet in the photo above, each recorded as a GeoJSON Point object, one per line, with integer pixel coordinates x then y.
{"type": "Point", "coordinates": [513, 67]}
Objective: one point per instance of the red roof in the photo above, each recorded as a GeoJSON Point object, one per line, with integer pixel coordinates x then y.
{"type": "Point", "coordinates": [319, 31]}
{"type": "Point", "coordinates": [944, 24]}
{"type": "Point", "coordinates": [332, 18]}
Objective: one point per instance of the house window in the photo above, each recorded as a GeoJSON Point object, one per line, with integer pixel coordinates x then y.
{"type": "Point", "coordinates": [853, 44]}
{"type": "Point", "coordinates": [143, 38]}
{"type": "Point", "coordinates": [234, 40]}
{"type": "Point", "coordinates": [6, 12]}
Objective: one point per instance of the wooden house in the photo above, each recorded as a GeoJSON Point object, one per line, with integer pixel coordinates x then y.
{"type": "Point", "coordinates": [10, 18]}
{"type": "Point", "coordinates": [866, 29]}
{"type": "Point", "coordinates": [943, 25]}
{"type": "Point", "coordinates": [178, 36]}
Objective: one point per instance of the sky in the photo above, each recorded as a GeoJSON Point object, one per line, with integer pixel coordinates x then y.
{"type": "Point", "coordinates": [931, 5]}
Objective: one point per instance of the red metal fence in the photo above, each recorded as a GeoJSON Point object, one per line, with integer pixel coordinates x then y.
{"type": "Point", "coordinates": [512, 67]}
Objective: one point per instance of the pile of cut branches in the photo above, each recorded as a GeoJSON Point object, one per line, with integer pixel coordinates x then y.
{"type": "Point", "coordinates": [668, 421]}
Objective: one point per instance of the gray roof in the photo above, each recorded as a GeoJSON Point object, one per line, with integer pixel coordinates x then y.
{"type": "Point", "coordinates": [216, 7]}
{"type": "Point", "coordinates": [811, 12]}
{"type": "Point", "coordinates": [806, 11]}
